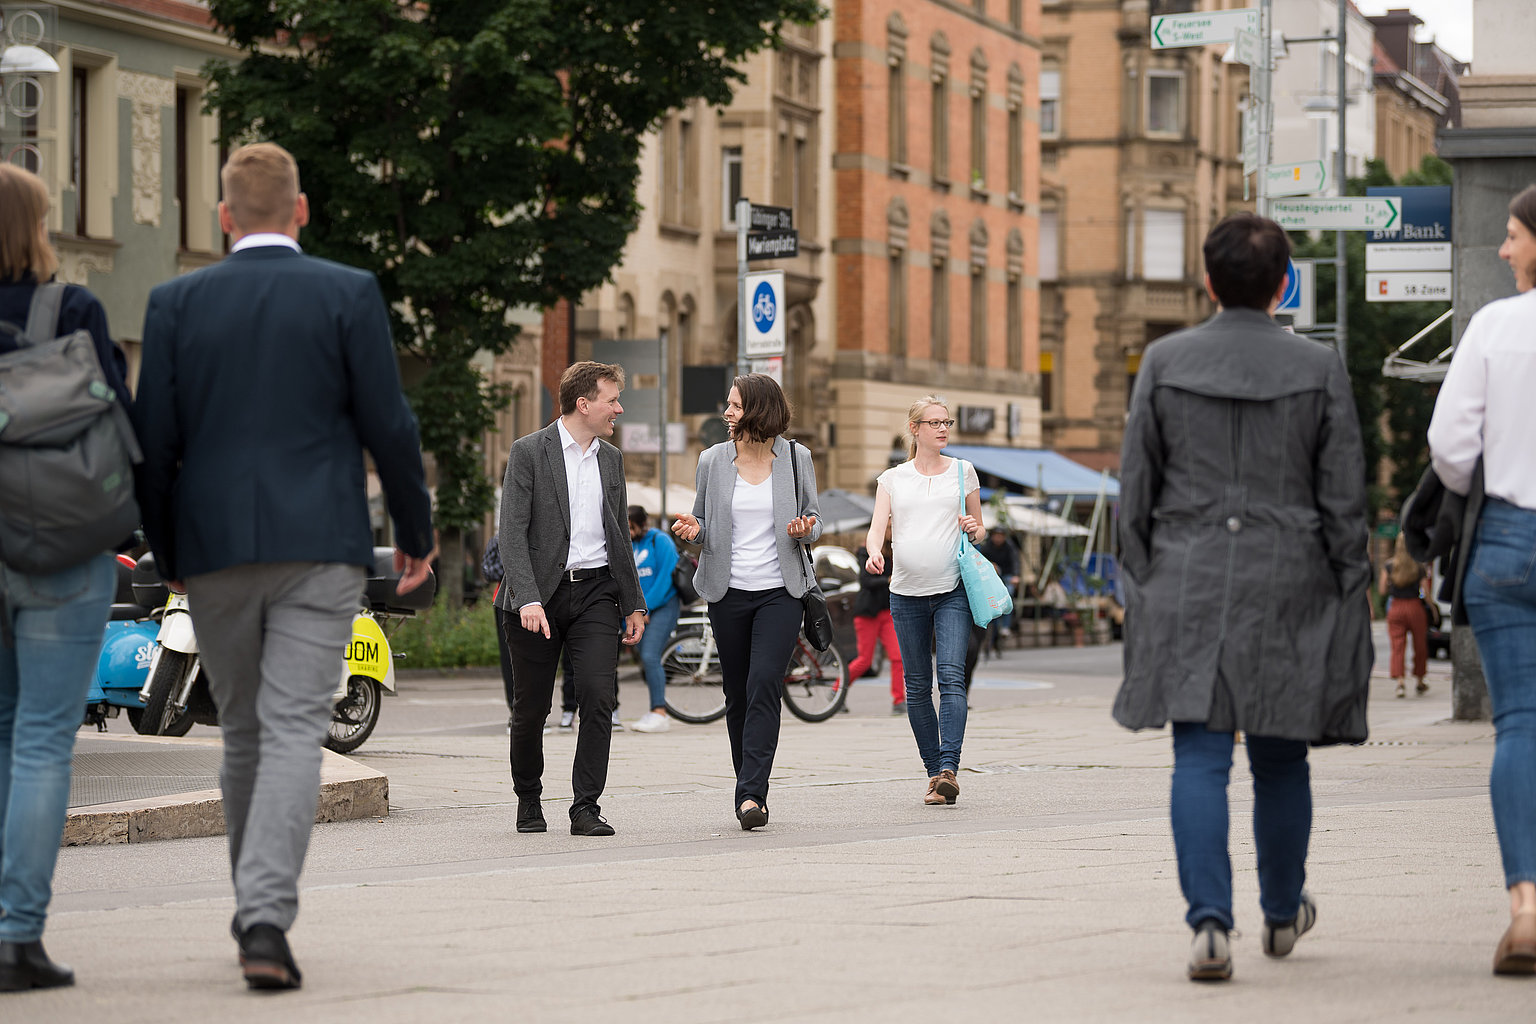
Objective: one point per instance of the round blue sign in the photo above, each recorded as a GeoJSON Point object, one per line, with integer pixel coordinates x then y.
{"type": "Point", "coordinates": [764, 309]}
{"type": "Point", "coordinates": [1292, 299]}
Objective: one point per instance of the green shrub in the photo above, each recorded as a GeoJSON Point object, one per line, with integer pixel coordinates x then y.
{"type": "Point", "coordinates": [441, 638]}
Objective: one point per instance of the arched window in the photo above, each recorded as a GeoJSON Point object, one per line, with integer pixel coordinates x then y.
{"type": "Point", "coordinates": [978, 94]}
{"type": "Point", "coordinates": [938, 307]}
{"type": "Point", "coordinates": [1015, 135]}
{"type": "Point", "coordinates": [938, 60]}
{"type": "Point", "coordinates": [626, 325]}
{"type": "Point", "coordinates": [897, 221]}
{"type": "Point", "coordinates": [1015, 314]}
{"type": "Point", "coordinates": [978, 261]}
{"type": "Point", "coordinates": [896, 89]}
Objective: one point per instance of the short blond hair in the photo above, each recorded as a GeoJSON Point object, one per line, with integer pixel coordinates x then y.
{"type": "Point", "coordinates": [24, 245]}
{"type": "Point", "coordinates": [261, 185]}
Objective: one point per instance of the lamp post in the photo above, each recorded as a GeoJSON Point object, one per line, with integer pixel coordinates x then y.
{"type": "Point", "coordinates": [22, 62]}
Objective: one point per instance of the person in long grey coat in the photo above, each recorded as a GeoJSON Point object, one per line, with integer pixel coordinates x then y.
{"type": "Point", "coordinates": [1243, 536]}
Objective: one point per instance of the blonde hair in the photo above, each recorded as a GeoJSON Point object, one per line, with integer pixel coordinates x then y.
{"type": "Point", "coordinates": [1404, 569]}
{"type": "Point", "coordinates": [24, 245]}
{"type": "Point", "coordinates": [261, 185]}
{"type": "Point", "coordinates": [915, 413]}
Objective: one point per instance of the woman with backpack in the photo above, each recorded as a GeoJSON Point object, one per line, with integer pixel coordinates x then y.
{"type": "Point", "coordinates": [53, 614]}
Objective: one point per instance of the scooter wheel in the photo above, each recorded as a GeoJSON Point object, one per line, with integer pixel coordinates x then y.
{"type": "Point", "coordinates": [158, 716]}
{"type": "Point", "coordinates": [354, 716]}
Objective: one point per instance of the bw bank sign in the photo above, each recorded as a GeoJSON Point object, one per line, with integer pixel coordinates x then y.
{"type": "Point", "coordinates": [1426, 214]}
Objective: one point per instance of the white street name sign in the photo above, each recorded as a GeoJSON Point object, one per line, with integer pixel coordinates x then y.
{"type": "Point", "coordinates": [1345, 214]}
{"type": "Point", "coordinates": [1247, 48]}
{"type": "Point", "coordinates": [1409, 286]}
{"type": "Point", "coordinates": [1303, 179]}
{"type": "Point", "coordinates": [1385, 256]}
{"type": "Point", "coordinates": [1201, 28]}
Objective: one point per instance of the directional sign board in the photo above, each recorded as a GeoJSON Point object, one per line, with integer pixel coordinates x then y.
{"type": "Point", "coordinates": [1300, 299]}
{"type": "Point", "coordinates": [1408, 286]}
{"type": "Point", "coordinates": [1303, 179]}
{"type": "Point", "coordinates": [1411, 260]}
{"type": "Point", "coordinates": [1346, 214]}
{"type": "Point", "coordinates": [1200, 28]}
{"type": "Point", "coordinates": [1252, 118]}
{"type": "Point", "coordinates": [1247, 48]}
{"type": "Point", "coordinates": [765, 314]}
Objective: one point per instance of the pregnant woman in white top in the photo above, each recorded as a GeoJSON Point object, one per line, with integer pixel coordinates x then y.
{"type": "Point", "coordinates": [929, 500]}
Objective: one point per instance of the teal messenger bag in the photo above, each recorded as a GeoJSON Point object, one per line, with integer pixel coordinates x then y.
{"type": "Point", "coordinates": [984, 588]}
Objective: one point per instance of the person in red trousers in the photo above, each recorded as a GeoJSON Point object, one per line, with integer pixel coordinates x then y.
{"type": "Point", "coordinates": [1401, 580]}
{"type": "Point", "coordinates": [872, 624]}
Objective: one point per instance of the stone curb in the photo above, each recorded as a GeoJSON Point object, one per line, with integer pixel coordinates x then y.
{"type": "Point", "coordinates": [348, 790]}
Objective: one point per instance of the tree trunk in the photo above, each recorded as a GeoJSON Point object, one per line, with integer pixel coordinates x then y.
{"type": "Point", "coordinates": [450, 580]}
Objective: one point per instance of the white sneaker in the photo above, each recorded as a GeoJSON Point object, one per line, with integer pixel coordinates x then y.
{"type": "Point", "coordinates": [652, 722]}
{"type": "Point", "coordinates": [566, 718]}
{"type": "Point", "coordinates": [616, 723]}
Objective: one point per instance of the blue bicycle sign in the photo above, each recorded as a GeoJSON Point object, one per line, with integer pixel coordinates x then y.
{"type": "Point", "coordinates": [764, 311]}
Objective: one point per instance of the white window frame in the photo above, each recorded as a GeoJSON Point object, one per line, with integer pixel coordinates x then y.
{"type": "Point", "coordinates": [1165, 74]}
{"type": "Point", "coordinates": [1050, 103]}
{"type": "Point", "coordinates": [1158, 262]}
{"type": "Point", "coordinates": [729, 156]}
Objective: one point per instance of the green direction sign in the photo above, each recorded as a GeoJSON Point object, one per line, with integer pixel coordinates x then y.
{"type": "Point", "coordinates": [1303, 179]}
{"type": "Point", "coordinates": [1200, 28]}
{"type": "Point", "coordinates": [1351, 214]}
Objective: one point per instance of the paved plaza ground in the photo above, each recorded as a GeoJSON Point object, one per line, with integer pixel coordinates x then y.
{"type": "Point", "coordinates": [1047, 893]}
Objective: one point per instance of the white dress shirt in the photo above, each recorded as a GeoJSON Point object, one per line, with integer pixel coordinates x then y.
{"type": "Point", "coordinates": [1487, 404]}
{"type": "Point", "coordinates": [261, 238]}
{"type": "Point", "coordinates": [584, 484]}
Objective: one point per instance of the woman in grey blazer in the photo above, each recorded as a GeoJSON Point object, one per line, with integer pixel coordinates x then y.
{"type": "Point", "coordinates": [754, 526]}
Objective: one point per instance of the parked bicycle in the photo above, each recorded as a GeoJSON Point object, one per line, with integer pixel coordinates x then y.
{"type": "Point", "coordinates": [815, 685]}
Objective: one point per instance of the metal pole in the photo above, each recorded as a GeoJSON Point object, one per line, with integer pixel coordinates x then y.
{"type": "Point", "coordinates": [743, 218]}
{"type": "Point", "coordinates": [1341, 276]}
{"type": "Point", "coordinates": [665, 403]}
{"type": "Point", "coordinates": [1260, 86]}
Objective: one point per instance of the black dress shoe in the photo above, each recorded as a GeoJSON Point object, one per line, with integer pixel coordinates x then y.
{"type": "Point", "coordinates": [752, 817]}
{"type": "Point", "coordinates": [530, 817]}
{"type": "Point", "coordinates": [588, 822]}
{"type": "Point", "coordinates": [267, 961]}
{"type": "Point", "coordinates": [24, 965]}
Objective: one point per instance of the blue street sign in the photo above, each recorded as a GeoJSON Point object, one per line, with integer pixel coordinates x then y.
{"type": "Point", "coordinates": [1292, 300]}
{"type": "Point", "coordinates": [764, 311]}
{"type": "Point", "coordinates": [1426, 214]}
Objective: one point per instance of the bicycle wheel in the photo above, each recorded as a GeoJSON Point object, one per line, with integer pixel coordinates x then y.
{"type": "Point", "coordinates": [816, 685]}
{"type": "Point", "coordinates": [695, 689]}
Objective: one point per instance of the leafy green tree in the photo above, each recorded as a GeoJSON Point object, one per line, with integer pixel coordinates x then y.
{"type": "Point", "coordinates": [1394, 414]}
{"type": "Point", "coordinates": [478, 156]}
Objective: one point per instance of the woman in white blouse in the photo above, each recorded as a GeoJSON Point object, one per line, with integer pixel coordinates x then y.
{"type": "Point", "coordinates": [1485, 411]}
{"type": "Point", "coordinates": [928, 500]}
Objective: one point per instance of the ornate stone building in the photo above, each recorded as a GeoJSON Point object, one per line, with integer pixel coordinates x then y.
{"type": "Point", "coordinates": [1417, 93]}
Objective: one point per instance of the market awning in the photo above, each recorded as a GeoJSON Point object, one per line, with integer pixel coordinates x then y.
{"type": "Point", "coordinates": [1025, 517]}
{"type": "Point", "coordinates": [844, 510]}
{"type": "Point", "coordinates": [1036, 468]}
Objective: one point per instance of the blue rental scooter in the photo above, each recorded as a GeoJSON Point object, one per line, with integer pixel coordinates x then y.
{"type": "Point", "coordinates": [127, 652]}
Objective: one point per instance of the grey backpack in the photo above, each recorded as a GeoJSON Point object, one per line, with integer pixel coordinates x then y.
{"type": "Point", "coordinates": [67, 448]}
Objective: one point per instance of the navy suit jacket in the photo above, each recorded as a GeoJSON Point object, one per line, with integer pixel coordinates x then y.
{"type": "Point", "coordinates": [264, 377]}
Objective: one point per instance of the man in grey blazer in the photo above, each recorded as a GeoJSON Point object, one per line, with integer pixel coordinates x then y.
{"type": "Point", "coordinates": [570, 579]}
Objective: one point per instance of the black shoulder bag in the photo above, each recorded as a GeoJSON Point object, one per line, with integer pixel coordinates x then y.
{"type": "Point", "coordinates": [818, 621]}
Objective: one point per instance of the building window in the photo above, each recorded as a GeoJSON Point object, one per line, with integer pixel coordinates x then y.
{"type": "Point", "coordinates": [730, 183]}
{"type": "Point", "coordinates": [79, 133]}
{"type": "Point", "coordinates": [678, 185]}
{"type": "Point", "coordinates": [1162, 245]}
{"type": "Point", "coordinates": [1165, 102]}
{"type": "Point", "coordinates": [1050, 103]}
{"type": "Point", "coordinates": [1015, 325]}
{"type": "Point", "coordinates": [978, 120]}
{"type": "Point", "coordinates": [626, 325]}
{"type": "Point", "coordinates": [896, 89]}
{"type": "Point", "coordinates": [803, 192]}
{"type": "Point", "coordinates": [184, 111]}
{"type": "Point", "coordinates": [979, 316]}
{"type": "Point", "coordinates": [1016, 13]}
{"type": "Point", "coordinates": [1047, 381]}
{"type": "Point", "coordinates": [938, 326]}
{"type": "Point", "coordinates": [940, 119]}
{"type": "Point", "coordinates": [897, 295]}
{"type": "Point", "coordinates": [1050, 245]}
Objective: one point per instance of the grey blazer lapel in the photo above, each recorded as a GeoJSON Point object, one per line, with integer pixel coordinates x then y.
{"type": "Point", "coordinates": [556, 459]}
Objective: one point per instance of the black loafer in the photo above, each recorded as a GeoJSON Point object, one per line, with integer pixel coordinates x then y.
{"type": "Point", "coordinates": [25, 965]}
{"type": "Point", "coordinates": [590, 823]}
{"type": "Point", "coordinates": [266, 959]}
{"type": "Point", "coordinates": [753, 817]}
{"type": "Point", "coordinates": [530, 817]}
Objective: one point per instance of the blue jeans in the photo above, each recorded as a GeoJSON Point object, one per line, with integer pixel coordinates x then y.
{"type": "Point", "coordinates": [56, 621]}
{"type": "Point", "coordinates": [657, 632]}
{"type": "Point", "coordinates": [931, 630]}
{"type": "Point", "coordinates": [1282, 821]}
{"type": "Point", "coordinates": [1500, 591]}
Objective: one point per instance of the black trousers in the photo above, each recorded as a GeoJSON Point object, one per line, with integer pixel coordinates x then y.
{"type": "Point", "coordinates": [755, 632]}
{"type": "Point", "coordinates": [584, 619]}
{"type": "Point", "coordinates": [568, 674]}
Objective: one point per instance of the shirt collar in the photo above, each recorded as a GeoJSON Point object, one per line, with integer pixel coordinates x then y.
{"type": "Point", "coordinates": [569, 441]}
{"type": "Point", "coordinates": [265, 238]}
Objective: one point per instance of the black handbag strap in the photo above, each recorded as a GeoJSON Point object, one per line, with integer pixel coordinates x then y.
{"type": "Point", "coordinates": [794, 468]}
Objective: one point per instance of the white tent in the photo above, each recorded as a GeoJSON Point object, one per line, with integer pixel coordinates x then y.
{"type": "Point", "coordinates": [1023, 515]}
{"type": "Point", "coordinates": [648, 497]}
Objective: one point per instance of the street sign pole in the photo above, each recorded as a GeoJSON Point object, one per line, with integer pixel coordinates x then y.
{"type": "Point", "coordinates": [1266, 108]}
{"type": "Point", "coordinates": [743, 223]}
{"type": "Point", "coordinates": [662, 417]}
{"type": "Point", "coordinates": [1341, 290]}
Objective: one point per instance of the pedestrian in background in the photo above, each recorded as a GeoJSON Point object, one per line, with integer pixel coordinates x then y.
{"type": "Point", "coordinates": [927, 502]}
{"type": "Point", "coordinates": [51, 624]}
{"type": "Point", "coordinates": [491, 569]}
{"type": "Point", "coordinates": [265, 376]}
{"type": "Point", "coordinates": [755, 526]}
{"type": "Point", "coordinates": [570, 577]}
{"type": "Point", "coordinates": [999, 549]}
{"type": "Point", "coordinates": [872, 625]}
{"type": "Point", "coordinates": [1402, 581]}
{"type": "Point", "coordinates": [1485, 412]}
{"type": "Point", "coordinates": [655, 558]}
{"type": "Point", "coordinates": [1243, 536]}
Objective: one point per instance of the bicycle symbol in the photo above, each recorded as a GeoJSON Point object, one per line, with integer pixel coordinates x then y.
{"type": "Point", "coordinates": [764, 310]}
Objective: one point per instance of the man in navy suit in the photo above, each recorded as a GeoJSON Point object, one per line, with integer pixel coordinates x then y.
{"type": "Point", "coordinates": [264, 378]}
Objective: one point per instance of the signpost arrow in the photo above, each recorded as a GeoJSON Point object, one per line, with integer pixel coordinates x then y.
{"type": "Point", "coordinates": [1200, 28]}
{"type": "Point", "coordinates": [1303, 179]}
{"type": "Point", "coordinates": [1247, 48]}
{"type": "Point", "coordinates": [1351, 214]}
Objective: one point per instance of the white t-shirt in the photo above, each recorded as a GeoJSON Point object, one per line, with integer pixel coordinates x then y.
{"type": "Point", "coordinates": [754, 553]}
{"type": "Point", "coordinates": [925, 527]}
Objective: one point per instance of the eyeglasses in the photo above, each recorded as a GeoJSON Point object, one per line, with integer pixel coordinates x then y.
{"type": "Point", "coordinates": [936, 424]}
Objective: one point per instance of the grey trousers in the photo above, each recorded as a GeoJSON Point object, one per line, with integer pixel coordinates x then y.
{"type": "Point", "coordinates": [272, 638]}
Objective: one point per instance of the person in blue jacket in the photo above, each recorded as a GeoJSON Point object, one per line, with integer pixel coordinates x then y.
{"type": "Point", "coordinates": [655, 558]}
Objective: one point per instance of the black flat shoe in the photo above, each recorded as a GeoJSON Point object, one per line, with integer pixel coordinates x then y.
{"type": "Point", "coordinates": [24, 965]}
{"type": "Point", "coordinates": [266, 959]}
{"type": "Point", "coordinates": [753, 817]}
{"type": "Point", "coordinates": [590, 823]}
{"type": "Point", "coordinates": [530, 817]}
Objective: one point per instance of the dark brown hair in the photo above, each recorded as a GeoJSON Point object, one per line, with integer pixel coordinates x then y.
{"type": "Point", "coordinates": [24, 245]}
{"type": "Point", "coordinates": [1523, 208]}
{"type": "Point", "coordinates": [580, 381]}
{"type": "Point", "coordinates": [261, 184]}
{"type": "Point", "coordinates": [764, 409]}
{"type": "Point", "coordinates": [637, 516]}
{"type": "Point", "coordinates": [1246, 256]}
